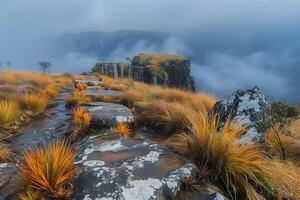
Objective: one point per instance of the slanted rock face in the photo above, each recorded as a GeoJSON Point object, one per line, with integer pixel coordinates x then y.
{"type": "Point", "coordinates": [246, 106]}
{"type": "Point", "coordinates": [136, 169]}
{"type": "Point", "coordinates": [162, 69]}
{"type": "Point", "coordinates": [177, 69]}
{"type": "Point", "coordinates": [106, 115]}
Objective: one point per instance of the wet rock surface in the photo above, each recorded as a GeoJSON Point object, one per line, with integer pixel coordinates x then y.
{"type": "Point", "coordinates": [245, 106]}
{"type": "Point", "coordinates": [115, 168]}
{"type": "Point", "coordinates": [106, 115]}
{"type": "Point", "coordinates": [95, 94]}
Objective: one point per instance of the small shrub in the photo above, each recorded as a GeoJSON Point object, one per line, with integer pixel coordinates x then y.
{"type": "Point", "coordinates": [35, 103]}
{"type": "Point", "coordinates": [5, 152]}
{"type": "Point", "coordinates": [48, 172]}
{"type": "Point", "coordinates": [122, 129]}
{"type": "Point", "coordinates": [8, 112]}
{"type": "Point", "coordinates": [81, 122]}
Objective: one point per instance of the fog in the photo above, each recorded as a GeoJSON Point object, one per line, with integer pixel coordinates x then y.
{"type": "Point", "coordinates": [233, 44]}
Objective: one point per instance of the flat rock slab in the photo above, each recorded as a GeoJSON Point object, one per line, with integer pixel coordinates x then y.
{"type": "Point", "coordinates": [89, 82]}
{"type": "Point", "coordinates": [106, 115]}
{"type": "Point", "coordinates": [134, 169]}
{"type": "Point", "coordinates": [95, 93]}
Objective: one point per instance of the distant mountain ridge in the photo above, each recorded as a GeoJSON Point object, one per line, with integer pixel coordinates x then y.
{"type": "Point", "coordinates": [101, 44]}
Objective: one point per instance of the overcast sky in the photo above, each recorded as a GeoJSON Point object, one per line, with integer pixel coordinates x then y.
{"type": "Point", "coordinates": [234, 35]}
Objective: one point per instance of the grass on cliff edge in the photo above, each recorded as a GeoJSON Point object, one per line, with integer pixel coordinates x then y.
{"type": "Point", "coordinates": [240, 171]}
{"type": "Point", "coordinates": [159, 106]}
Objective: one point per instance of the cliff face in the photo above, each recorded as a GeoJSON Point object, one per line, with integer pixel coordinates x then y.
{"type": "Point", "coordinates": [161, 69]}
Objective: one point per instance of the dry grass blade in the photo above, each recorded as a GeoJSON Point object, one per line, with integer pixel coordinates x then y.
{"type": "Point", "coordinates": [5, 153]}
{"type": "Point", "coordinates": [8, 112]}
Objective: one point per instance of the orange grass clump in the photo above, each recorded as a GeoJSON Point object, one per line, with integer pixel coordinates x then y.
{"type": "Point", "coordinates": [241, 171]}
{"type": "Point", "coordinates": [81, 122]}
{"type": "Point", "coordinates": [5, 152]}
{"type": "Point", "coordinates": [164, 116]}
{"type": "Point", "coordinates": [78, 98]}
{"type": "Point", "coordinates": [48, 172]}
{"type": "Point", "coordinates": [35, 103]}
{"type": "Point", "coordinates": [119, 87]}
{"type": "Point", "coordinates": [8, 112]}
{"type": "Point", "coordinates": [81, 86]}
{"type": "Point", "coordinates": [122, 129]}
{"type": "Point", "coordinates": [107, 99]}
{"type": "Point", "coordinates": [81, 77]}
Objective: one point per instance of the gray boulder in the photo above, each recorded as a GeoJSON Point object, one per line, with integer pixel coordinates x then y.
{"type": "Point", "coordinates": [106, 115]}
{"type": "Point", "coordinates": [245, 106]}
{"type": "Point", "coordinates": [135, 169]}
{"type": "Point", "coordinates": [89, 82]}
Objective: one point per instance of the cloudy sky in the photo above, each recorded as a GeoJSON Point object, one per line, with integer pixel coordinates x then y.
{"type": "Point", "coordinates": [233, 44]}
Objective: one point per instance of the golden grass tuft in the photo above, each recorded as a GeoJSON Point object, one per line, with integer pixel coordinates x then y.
{"type": "Point", "coordinates": [50, 91]}
{"type": "Point", "coordinates": [119, 87]}
{"type": "Point", "coordinates": [8, 112]}
{"type": "Point", "coordinates": [81, 122]}
{"type": "Point", "coordinates": [241, 171]}
{"type": "Point", "coordinates": [81, 86]}
{"type": "Point", "coordinates": [107, 99]}
{"type": "Point", "coordinates": [81, 78]}
{"type": "Point", "coordinates": [35, 103]}
{"type": "Point", "coordinates": [122, 129]}
{"type": "Point", "coordinates": [5, 153]}
{"type": "Point", "coordinates": [78, 98]}
{"type": "Point", "coordinates": [164, 116]}
{"type": "Point", "coordinates": [48, 172]}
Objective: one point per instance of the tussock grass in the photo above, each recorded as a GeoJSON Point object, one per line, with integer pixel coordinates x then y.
{"type": "Point", "coordinates": [81, 122]}
{"type": "Point", "coordinates": [5, 152]}
{"type": "Point", "coordinates": [241, 171]}
{"type": "Point", "coordinates": [48, 172]}
{"type": "Point", "coordinates": [29, 195]}
{"type": "Point", "coordinates": [81, 86]}
{"type": "Point", "coordinates": [107, 99]}
{"type": "Point", "coordinates": [35, 103]}
{"type": "Point", "coordinates": [119, 87]}
{"type": "Point", "coordinates": [164, 116]}
{"type": "Point", "coordinates": [78, 98]}
{"type": "Point", "coordinates": [123, 129]}
{"type": "Point", "coordinates": [9, 112]}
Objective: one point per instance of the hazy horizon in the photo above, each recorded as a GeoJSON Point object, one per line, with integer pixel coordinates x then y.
{"type": "Point", "coordinates": [233, 44]}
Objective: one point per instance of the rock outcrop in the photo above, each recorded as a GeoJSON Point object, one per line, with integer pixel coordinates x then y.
{"type": "Point", "coordinates": [136, 169]}
{"type": "Point", "coordinates": [106, 115]}
{"type": "Point", "coordinates": [245, 106]}
{"type": "Point", "coordinates": [162, 69]}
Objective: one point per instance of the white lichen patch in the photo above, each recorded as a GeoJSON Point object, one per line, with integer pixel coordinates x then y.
{"type": "Point", "coordinates": [141, 189]}
{"type": "Point", "coordinates": [115, 146]}
{"type": "Point", "coordinates": [93, 163]}
{"type": "Point", "coordinates": [125, 119]}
